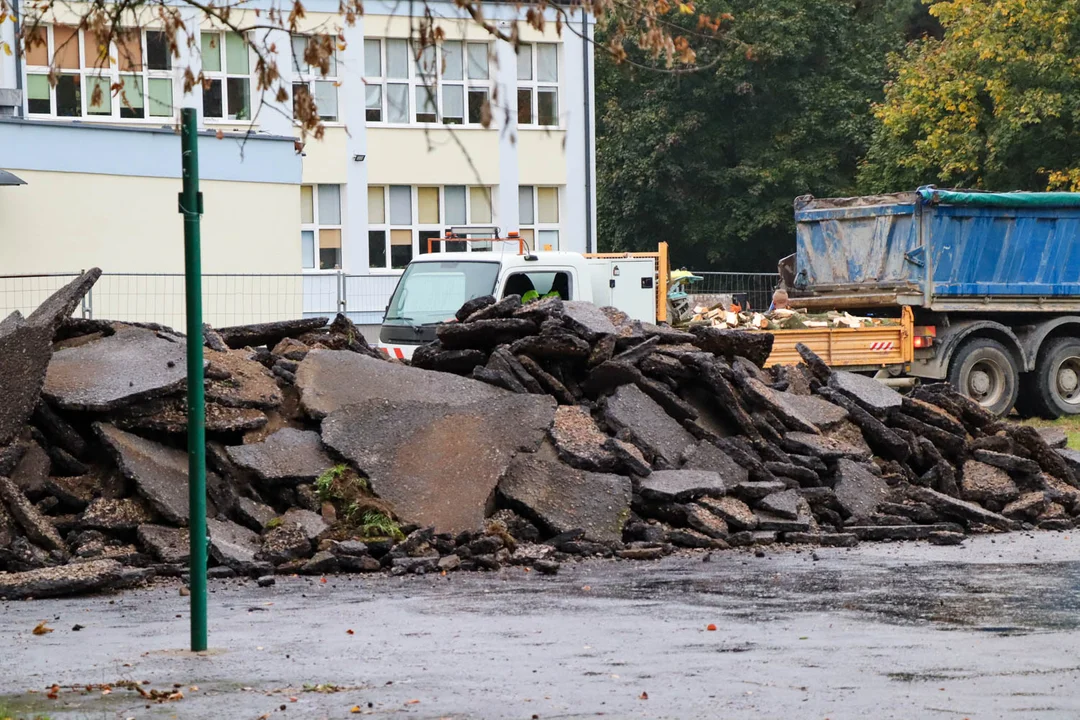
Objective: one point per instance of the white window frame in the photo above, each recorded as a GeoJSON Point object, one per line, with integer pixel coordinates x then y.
{"type": "Point", "coordinates": [223, 76]}
{"type": "Point", "coordinates": [416, 80]}
{"type": "Point", "coordinates": [316, 225]}
{"type": "Point", "coordinates": [536, 227]}
{"type": "Point", "coordinates": [304, 74]}
{"type": "Point", "coordinates": [416, 227]}
{"type": "Point", "coordinates": [111, 74]}
{"type": "Point", "coordinates": [534, 86]}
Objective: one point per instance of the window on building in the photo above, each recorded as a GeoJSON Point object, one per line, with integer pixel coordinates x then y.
{"type": "Point", "coordinates": [309, 80]}
{"type": "Point", "coordinates": [538, 216]}
{"type": "Point", "coordinates": [320, 226]}
{"type": "Point", "coordinates": [138, 64]}
{"type": "Point", "coordinates": [406, 83]}
{"type": "Point", "coordinates": [226, 66]}
{"type": "Point", "coordinates": [403, 218]}
{"type": "Point", "coordinates": [538, 84]}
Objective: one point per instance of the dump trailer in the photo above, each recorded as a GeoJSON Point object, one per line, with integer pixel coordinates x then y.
{"type": "Point", "coordinates": [984, 288]}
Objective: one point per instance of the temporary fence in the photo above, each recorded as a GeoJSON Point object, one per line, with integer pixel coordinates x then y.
{"type": "Point", "coordinates": [240, 299]}
{"type": "Point", "coordinates": [228, 299]}
{"type": "Point", "coordinates": [758, 287]}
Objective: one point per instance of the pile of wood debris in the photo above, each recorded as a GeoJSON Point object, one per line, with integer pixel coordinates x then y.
{"type": "Point", "coordinates": [733, 317]}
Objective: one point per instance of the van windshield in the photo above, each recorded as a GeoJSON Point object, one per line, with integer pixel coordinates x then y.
{"type": "Point", "coordinates": [431, 292]}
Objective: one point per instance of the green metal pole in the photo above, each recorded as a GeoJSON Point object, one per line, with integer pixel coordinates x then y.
{"type": "Point", "coordinates": [191, 209]}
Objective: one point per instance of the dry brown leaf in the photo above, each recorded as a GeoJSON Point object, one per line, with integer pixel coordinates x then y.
{"type": "Point", "coordinates": [42, 629]}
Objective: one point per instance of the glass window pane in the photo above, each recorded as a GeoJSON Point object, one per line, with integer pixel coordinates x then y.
{"type": "Point", "coordinates": [480, 205]}
{"type": "Point", "coordinates": [478, 106]}
{"type": "Point", "coordinates": [307, 205]}
{"type": "Point", "coordinates": [68, 96]}
{"type": "Point", "coordinates": [525, 116]}
{"type": "Point", "coordinates": [453, 104]}
{"type": "Point", "coordinates": [525, 205]}
{"type": "Point", "coordinates": [401, 251]}
{"type": "Point", "coordinates": [236, 54]}
{"type": "Point", "coordinates": [158, 56]}
{"type": "Point", "coordinates": [548, 240]}
{"type": "Point", "coordinates": [397, 59]}
{"type": "Point", "coordinates": [376, 205]}
{"type": "Point", "coordinates": [95, 54]}
{"type": "Point", "coordinates": [425, 104]}
{"type": "Point", "coordinates": [397, 103]}
{"type": "Point", "coordinates": [160, 97]}
{"type": "Point", "coordinates": [93, 83]}
{"type": "Point", "coordinates": [372, 59]}
{"type": "Point", "coordinates": [427, 205]}
{"type": "Point", "coordinates": [373, 99]}
{"type": "Point", "coordinates": [547, 107]}
{"type": "Point", "coordinates": [425, 63]}
{"type": "Point", "coordinates": [400, 205]}
{"type": "Point", "coordinates": [547, 62]}
{"type": "Point", "coordinates": [131, 96]}
{"type": "Point", "coordinates": [451, 57]}
{"type": "Point", "coordinates": [376, 248]}
{"type": "Point", "coordinates": [527, 236]}
{"type": "Point", "coordinates": [524, 59]}
{"type": "Point", "coordinates": [66, 47]}
{"type": "Point", "coordinates": [39, 53]}
{"type": "Point", "coordinates": [211, 100]}
{"type": "Point", "coordinates": [326, 99]}
{"type": "Point", "coordinates": [299, 47]}
{"type": "Point", "coordinates": [547, 204]}
{"type": "Point", "coordinates": [329, 204]}
{"type": "Point", "coordinates": [129, 51]}
{"type": "Point", "coordinates": [239, 99]}
{"type": "Point", "coordinates": [307, 247]}
{"type": "Point", "coordinates": [455, 204]}
{"type": "Point", "coordinates": [211, 52]}
{"type": "Point", "coordinates": [329, 249]}
{"type": "Point", "coordinates": [478, 61]}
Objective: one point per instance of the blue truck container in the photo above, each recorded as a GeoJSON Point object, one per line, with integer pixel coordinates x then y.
{"type": "Point", "coordinates": [933, 247]}
{"type": "Point", "coordinates": [993, 279]}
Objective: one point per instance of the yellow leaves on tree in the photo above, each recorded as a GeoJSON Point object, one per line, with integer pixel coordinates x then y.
{"type": "Point", "coordinates": [995, 103]}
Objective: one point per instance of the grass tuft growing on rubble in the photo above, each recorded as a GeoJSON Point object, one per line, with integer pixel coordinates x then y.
{"type": "Point", "coordinates": [325, 483]}
{"type": "Point", "coordinates": [374, 523]}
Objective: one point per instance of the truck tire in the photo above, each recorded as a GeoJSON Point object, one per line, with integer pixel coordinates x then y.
{"type": "Point", "coordinates": [1056, 380]}
{"type": "Point", "coordinates": [985, 371]}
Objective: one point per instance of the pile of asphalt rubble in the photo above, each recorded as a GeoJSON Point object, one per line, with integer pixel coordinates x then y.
{"type": "Point", "coordinates": [524, 436]}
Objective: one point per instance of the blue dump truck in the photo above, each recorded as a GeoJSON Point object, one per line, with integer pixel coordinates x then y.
{"type": "Point", "coordinates": [985, 288]}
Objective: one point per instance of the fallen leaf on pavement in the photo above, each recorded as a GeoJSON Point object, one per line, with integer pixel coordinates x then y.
{"type": "Point", "coordinates": [349, 632]}
{"type": "Point", "coordinates": [643, 696]}
{"type": "Point", "coordinates": [412, 702]}
{"type": "Point", "coordinates": [41, 628]}
{"type": "Point", "coordinates": [710, 627]}
{"type": "Point", "coordinates": [355, 709]}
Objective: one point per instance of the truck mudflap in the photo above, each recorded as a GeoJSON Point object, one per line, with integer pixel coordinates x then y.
{"type": "Point", "coordinates": [875, 346]}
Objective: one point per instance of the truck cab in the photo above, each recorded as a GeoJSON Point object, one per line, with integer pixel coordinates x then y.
{"type": "Point", "coordinates": [436, 284]}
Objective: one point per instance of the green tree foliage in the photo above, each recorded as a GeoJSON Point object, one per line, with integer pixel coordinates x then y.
{"type": "Point", "coordinates": [994, 103]}
{"type": "Point", "coordinates": [711, 160]}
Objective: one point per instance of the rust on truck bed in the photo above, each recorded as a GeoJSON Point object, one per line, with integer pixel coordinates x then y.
{"type": "Point", "coordinates": [865, 347]}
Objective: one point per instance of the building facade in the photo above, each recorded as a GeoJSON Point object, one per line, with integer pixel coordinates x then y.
{"type": "Point", "coordinates": [404, 158]}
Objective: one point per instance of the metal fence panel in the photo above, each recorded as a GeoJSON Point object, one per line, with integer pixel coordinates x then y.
{"type": "Point", "coordinates": [757, 286]}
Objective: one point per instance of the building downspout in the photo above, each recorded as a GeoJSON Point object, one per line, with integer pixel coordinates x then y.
{"type": "Point", "coordinates": [18, 55]}
{"type": "Point", "coordinates": [588, 130]}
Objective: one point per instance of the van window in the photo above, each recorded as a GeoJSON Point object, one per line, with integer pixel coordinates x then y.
{"type": "Point", "coordinates": [542, 283]}
{"type": "Point", "coordinates": [431, 292]}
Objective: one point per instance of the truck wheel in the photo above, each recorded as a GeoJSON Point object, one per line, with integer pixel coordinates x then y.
{"type": "Point", "coordinates": [1057, 378]}
{"type": "Point", "coordinates": [984, 371]}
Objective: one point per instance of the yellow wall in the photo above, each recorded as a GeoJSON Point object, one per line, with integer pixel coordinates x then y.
{"type": "Point", "coordinates": [406, 156]}
{"type": "Point", "coordinates": [68, 221]}
{"type": "Point", "coordinates": [325, 160]}
{"type": "Point", "coordinates": [541, 157]}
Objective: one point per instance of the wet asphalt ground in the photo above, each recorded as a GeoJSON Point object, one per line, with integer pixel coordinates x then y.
{"type": "Point", "coordinates": [987, 630]}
